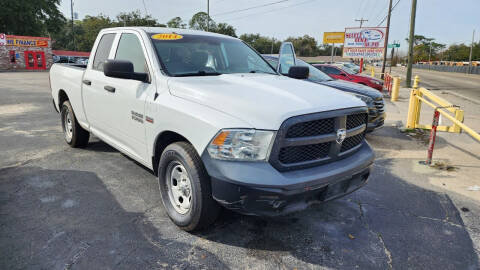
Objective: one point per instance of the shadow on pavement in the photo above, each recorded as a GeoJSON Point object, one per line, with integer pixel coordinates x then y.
{"type": "Point", "coordinates": [389, 223]}
{"type": "Point", "coordinates": [59, 219]}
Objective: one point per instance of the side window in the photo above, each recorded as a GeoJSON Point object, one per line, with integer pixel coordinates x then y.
{"type": "Point", "coordinates": [334, 71]}
{"type": "Point", "coordinates": [103, 49]}
{"type": "Point", "coordinates": [129, 48]}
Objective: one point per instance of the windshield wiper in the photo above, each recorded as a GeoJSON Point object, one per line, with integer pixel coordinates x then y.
{"type": "Point", "coordinates": [199, 73]}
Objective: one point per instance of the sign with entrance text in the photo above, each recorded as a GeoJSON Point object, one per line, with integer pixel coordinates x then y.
{"type": "Point", "coordinates": [364, 42]}
{"type": "Point", "coordinates": [24, 41]}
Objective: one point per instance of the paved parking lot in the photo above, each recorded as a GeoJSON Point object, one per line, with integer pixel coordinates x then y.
{"type": "Point", "coordinates": [94, 208]}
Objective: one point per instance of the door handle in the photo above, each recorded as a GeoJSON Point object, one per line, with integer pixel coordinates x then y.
{"type": "Point", "coordinates": [87, 82]}
{"type": "Point", "coordinates": [109, 88]}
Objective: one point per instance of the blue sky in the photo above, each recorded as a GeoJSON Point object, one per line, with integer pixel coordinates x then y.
{"type": "Point", "coordinates": [445, 20]}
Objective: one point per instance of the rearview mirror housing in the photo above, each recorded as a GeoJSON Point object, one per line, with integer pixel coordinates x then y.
{"type": "Point", "coordinates": [122, 69]}
{"type": "Point", "coordinates": [298, 72]}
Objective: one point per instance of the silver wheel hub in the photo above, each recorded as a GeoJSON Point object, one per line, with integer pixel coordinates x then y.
{"type": "Point", "coordinates": [68, 126]}
{"type": "Point", "coordinates": [179, 188]}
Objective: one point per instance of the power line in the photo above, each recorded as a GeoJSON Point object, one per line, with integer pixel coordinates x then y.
{"type": "Point", "coordinates": [249, 8]}
{"type": "Point", "coordinates": [384, 18]}
{"type": "Point", "coordinates": [268, 11]}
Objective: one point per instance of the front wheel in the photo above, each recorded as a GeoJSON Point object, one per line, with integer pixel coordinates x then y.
{"type": "Point", "coordinates": [74, 134]}
{"type": "Point", "coordinates": [185, 187]}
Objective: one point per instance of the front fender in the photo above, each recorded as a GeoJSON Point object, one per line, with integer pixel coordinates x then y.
{"type": "Point", "coordinates": [195, 122]}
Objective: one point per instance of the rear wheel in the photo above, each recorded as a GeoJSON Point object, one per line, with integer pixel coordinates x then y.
{"type": "Point", "coordinates": [74, 134]}
{"type": "Point", "coordinates": [185, 188]}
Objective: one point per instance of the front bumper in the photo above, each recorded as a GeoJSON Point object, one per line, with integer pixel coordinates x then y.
{"type": "Point", "coordinates": [256, 188]}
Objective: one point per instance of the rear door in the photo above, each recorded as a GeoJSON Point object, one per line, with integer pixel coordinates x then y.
{"type": "Point", "coordinates": [96, 99]}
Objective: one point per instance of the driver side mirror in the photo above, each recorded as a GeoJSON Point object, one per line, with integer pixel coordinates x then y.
{"type": "Point", "coordinates": [343, 74]}
{"type": "Point", "coordinates": [122, 69]}
{"type": "Point", "coordinates": [298, 72]}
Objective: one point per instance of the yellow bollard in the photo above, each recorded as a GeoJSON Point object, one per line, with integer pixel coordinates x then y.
{"type": "Point", "coordinates": [373, 71]}
{"type": "Point", "coordinates": [411, 109]}
{"type": "Point", "coordinates": [395, 88]}
{"type": "Point", "coordinates": [416, 81]}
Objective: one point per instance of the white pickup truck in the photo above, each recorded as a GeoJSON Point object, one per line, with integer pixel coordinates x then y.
{"type": "Point", "coordinates": [215, 122]}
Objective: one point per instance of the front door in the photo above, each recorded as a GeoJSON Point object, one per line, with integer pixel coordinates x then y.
{"type": "Point", "coordinates": [34, 60]}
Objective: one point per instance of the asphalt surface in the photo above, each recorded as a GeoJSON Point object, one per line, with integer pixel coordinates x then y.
{"type": "Point", "coordinates": [466, 85]}
{"type": "Point", "coordinates": [94, 208]}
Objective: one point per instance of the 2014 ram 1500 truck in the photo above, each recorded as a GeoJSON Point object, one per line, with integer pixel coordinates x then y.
{"type": "Point", "coordinates": [215, 122]}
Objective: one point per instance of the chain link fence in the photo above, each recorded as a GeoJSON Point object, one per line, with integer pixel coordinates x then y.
{"type": "Point", "coordinates": [459, 69]}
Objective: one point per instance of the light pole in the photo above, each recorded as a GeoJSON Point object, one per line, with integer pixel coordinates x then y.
{"type": "Point", "coordinates": [471, 50]}
{"type": "Point", "coordinates": [73, 33]}
{"type": "Point", "coordinates": [208, 15]}
{"type": "Point", "coordinates": [386, 39]}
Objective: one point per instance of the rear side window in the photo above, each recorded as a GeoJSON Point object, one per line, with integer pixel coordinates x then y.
{"type": "Point", "coordinates": [103, 49]}
{"type": "Point", "coordinates": [129, 48]}
{"type": "Point", "coordinates": [332, 70]}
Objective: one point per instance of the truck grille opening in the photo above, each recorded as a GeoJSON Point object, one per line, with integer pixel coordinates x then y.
{"type": "Point", "coordinates": [292, 154]}
{"type": "Point", "coordinates": [379, 104]}
{"type": "Point", "coordinates": [311, 140]}
{"type": "Point", "coordinates": [311, 128]}
{"type": "Point", "coordinates": [351, 142]}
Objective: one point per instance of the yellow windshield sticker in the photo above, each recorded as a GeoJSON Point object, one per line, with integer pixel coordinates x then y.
{"type": "Point", "coordinates": [170, 36]}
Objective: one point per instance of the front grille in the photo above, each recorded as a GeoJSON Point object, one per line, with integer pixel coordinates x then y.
{"type": "Point", "coordinates": [379, 104]}
{"type": "Point", "coordinates": [310, 140]}
{"type": "Point", "coordinates": [351, 142]}
{"type": "Point", "coordinates": [355, 120]}
{"type": "Point", "coordinates": [311, 128]}
{"type": "Point", "coordinates": [293, 154]}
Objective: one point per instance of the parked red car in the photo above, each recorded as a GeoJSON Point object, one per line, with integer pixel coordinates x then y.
{"type": "Point", "coordinates": [349, 75]}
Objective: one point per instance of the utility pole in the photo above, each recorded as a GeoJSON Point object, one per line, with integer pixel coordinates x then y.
{"type": "Point", "coordinates": [471, 51]}
{"type": "Point", "coordinates": [73, 33]}
{"type": "Point", "coordinates": [333, 48]}
{"type": "Point", "coordinates": [386, 39]}
{"type": "Point", "coordinates": [361, 59]}
{"type": "Point", "coordinates": [271, 49]}
{"type": "Point", "coordinates": [430, 55]}
{"type": "Point", "coordinates": [410, 43]}
{"type": "Point", "coordinates": [391, 58]}
{"type": "Point", "coordinates": [208, 15]}
{"type": "Point", "coordinates": [361, 21]}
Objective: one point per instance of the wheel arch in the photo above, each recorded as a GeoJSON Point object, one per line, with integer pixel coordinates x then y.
{"type": "Point", "coordinates": [162, 140]}
{"type": "Point", "coordinates": [62, 97]}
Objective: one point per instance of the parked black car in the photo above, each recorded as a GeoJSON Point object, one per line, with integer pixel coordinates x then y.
{"type": "Point", "coordinates": [373, 98]}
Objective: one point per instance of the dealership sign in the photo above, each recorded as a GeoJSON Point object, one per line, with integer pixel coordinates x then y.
{"type": "Point", "coordinates": [365, 42]}
{"type": "Point", "coordinates": [333, 37]}
{"type": "Point", "coordinates": [23, 41]}
{"type": "Point", "coordinates": [3, 39]}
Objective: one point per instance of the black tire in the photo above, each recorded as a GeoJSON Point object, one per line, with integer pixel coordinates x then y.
{"type": "Point", "coordinates": [77, 137]}
{"type": "Point", "coordinates": [203, 210]}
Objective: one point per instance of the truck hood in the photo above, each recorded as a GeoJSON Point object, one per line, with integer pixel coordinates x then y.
{"type": "Point", "coordinates": [353, 88]}
{"type": "Point", "coordinates": [262, 100]}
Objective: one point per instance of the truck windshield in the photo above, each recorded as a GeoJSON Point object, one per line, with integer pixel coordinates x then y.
{"type": "Point", "coordinates": [198, 55]}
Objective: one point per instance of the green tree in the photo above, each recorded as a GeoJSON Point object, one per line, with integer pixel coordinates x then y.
{"type": "Point", "coordinates": [199, 21]}
{"type": "Point", "coordinates": [305, 46]}
{"type": "Point", "coordinates": [176, 22]}
{"type": "Point", "coordinates": [135, 18]}
{"type": "Point", "coordinates": [262, 44]}
{"type": "Point", "coordinates": [30, 17]}
{"type": "Point", "coordinates": [224, 29]}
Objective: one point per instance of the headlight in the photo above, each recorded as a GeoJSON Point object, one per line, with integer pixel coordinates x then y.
{"type": "Point", "coordinates": [375, 82]}
{"type": "Point", "coordinates": [241, 144]}
{"type": "Point", "coordinates": [365, 99]}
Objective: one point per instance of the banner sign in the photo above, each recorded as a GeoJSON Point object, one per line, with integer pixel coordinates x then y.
{"type": "Point", "coordinates": [368, 53]}
{"type": "Point", "coordinates": [23, 41]}
{"type": "Point", "coordinates": [3, 39]}
{"type": "Point", "coordinates": [365, 42]}
{"type": "Point", "coordinates": [333, 37]}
